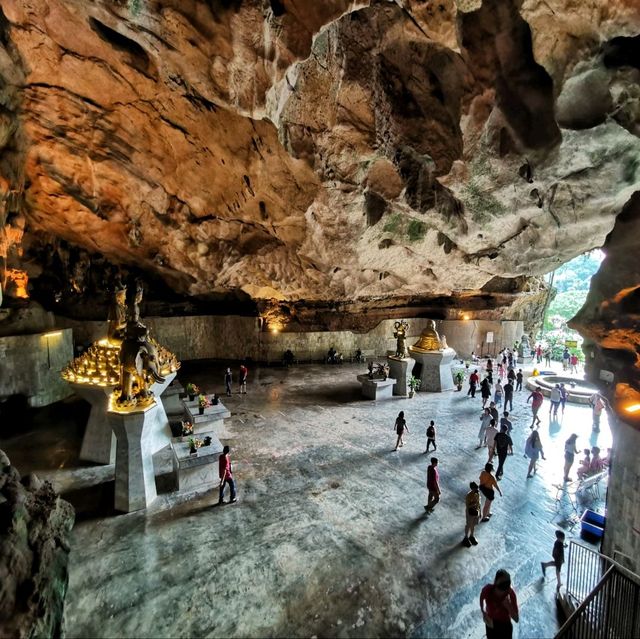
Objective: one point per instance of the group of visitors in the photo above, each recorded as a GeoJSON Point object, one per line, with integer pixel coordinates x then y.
{"type": "Point", "coordinates": [242, 379]}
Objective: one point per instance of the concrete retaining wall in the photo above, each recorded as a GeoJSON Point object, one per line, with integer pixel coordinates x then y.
{"type": "Point", "coordinates": [30, 365]}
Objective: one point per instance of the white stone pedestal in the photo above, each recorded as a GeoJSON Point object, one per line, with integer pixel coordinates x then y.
{"type": "Point", "coordinates": [376, 388]}
{"type": "Point", "coordinates": [212, 419]}
{"type": "Point", "coordinates": [135, 478]}
{"type": "Point", "coordinates": [436, 375]}
{"type": "Point", "coordinates": [98, 443]}
{"type": "Point", "coordinates": [196, 471]}
{"type": "Point", "coordinates": [400, 369]}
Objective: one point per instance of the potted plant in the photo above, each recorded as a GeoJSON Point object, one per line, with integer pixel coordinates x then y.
{"type": "Point", "coordinates": [414, 385]}
{"type": "Point", "coordinates": [187, 429]}
{"type": "Point", "coordinates": [193, 450]}
{"type": "Point", "coordinates": [459, 379]}
{"type": "Point", "coordinates": [192, 391]}
{"type": "Point", "coordinates": [203, 402]}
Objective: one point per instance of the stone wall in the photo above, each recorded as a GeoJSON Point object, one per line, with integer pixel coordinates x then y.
{"type": "Point", "coordinates": [623, 508]}
{"type": "Point", "coordinates": [30, 365]}
{"type": "Point", "coordinates": [236, 337]}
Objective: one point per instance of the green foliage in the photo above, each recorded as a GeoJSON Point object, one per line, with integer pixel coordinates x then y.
{"type": "Point", "coordinates": [135, 6]}
{"type": "Point", "coordinates": [482, 204]}
{"type": "Point", "coordinates": [392, 225]}
{"type": "Point", "coordinates": [414, 384]}
{"type": "Point", "coordinates": [565, 306]}
{"type": "Point", "coordinates": [399, 225]}
{"type": "Point", "coordinates": [576, 274]}
{"type": "Point", "coordinates": [416, 230]}
{"type": "Point", "coordinates": [630, 168]}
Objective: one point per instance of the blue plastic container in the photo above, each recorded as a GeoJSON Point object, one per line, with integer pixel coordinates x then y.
{"type": "Point", "coordinates": [593, 523]}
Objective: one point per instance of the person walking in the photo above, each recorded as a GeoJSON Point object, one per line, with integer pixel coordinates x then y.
{"type": "Point", "coordinates": [538, 354]}
{"type": "Point", "coordinates": [474, 379]}
{"type": "Point", "coordinates": [227, 381]}
{"type": "Point", "coordinates": [533, 450]}
{"type": "Point", "coordinates": [490, 437]}
{"type": "Point", "coordinates": [503, 447]}
{"type": "Point", "coordinates": [564, 395]}
{"type": "Point", "coordinates": [505, 421]}
{"type": "Point", "coordinates": [433, 485]}
{"type": "Point", "coordinates": [489, 370]}
{"type": "Point", "coordinates": [598, 404]}
{"type": "Point", "coordinates": [570, 452]}
{"type": "Point", "coordinates": [226, 476]}
{"type": "Point", "coordinates": [558, 557]}
{"type": "Point", "coordinates": [566, 358]}
{"type": "Point", "coordinates": [519, 377]}
{"type": "Point", "coordinates": [472, 514]}
{"type": "Point", "coordinates": [431, 436]}
{"type": "Point", "coordinates": [555, 398]}
{"type": "Point", "coordinates": [494, 411]}
{"type": "Point", "coordinates": [508, 395]}
{"type": "Point", "coordinates": [547, 358]}
{"type": "Point", "coordinates": [499, 606]}
{"type": "Point", "coordinates": [244, 372]}
{"type": "Point", "coordinates": [485, 391]}
{"type": "Point", "coordinates": [500, 371]}
{"type": "Point", "coordinates": [537, 398]}
{"type": "Point", "coordinates": [574, 363]}
{"type": "Point", "coordinates": [400, 426]}
{"type": "Point", "coordinates": [498, 393]}
{"type": "Point", "coordinates": [485, 420]}
{"type": "Point", "coordinates": [488, 486]}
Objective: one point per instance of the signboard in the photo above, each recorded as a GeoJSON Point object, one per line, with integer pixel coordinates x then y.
{"type": "Point", "coordinates": [490, 337]}
{"type": "Point", "coordinates": [606, 376]}
{"type": "Point", "coordinates": [571, 343]}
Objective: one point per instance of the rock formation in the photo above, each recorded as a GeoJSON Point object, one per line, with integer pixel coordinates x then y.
{"type": "Point", "coordinates": [369, 154]}
{"type": "Point", "coordinates": [34, 535]}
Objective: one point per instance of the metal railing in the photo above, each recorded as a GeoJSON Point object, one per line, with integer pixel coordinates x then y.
{"type": "Point", "coordinates": [607, 594]}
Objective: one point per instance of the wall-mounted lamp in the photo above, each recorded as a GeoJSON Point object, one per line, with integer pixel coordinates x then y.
{"type": "Point", "coordinates": [633, 408]}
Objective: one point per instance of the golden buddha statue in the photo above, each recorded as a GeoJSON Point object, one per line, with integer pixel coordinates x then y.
{"type": "Point", "coordinates": [429, 339]}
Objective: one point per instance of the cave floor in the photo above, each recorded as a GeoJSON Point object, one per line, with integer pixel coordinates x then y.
{"type": "Point", "coordinates": [329, 537]}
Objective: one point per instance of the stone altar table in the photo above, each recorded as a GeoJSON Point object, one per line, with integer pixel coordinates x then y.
{"type": "Point", "coordinates": [376, 388]}
{"type": "Point", "coordinates": [436, 375]}
{"type": "Point", "coordinates": [98, 443]}
{"type": "Point", "coordinates": [199, 470]}
{"type": "Point", "coordinates": [135, 477]}
{"type": "Point", "coordinates": [212, 418]}
{"type": "Point", "coordinates": [400, 368]}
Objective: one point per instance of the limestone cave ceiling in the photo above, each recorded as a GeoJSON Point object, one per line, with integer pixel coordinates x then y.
{"type": "Point", "coordinates": [374, 154]}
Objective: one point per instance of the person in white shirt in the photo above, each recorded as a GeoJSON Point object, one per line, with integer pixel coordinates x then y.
{"type": "Point", "coordinates": [570, 452]}
{"type": "Point", "coordinates": [555, 398]}
{"type": "Point", "coordinates": [490, 437]}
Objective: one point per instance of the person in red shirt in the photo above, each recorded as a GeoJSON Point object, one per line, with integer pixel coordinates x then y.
{"type": "Point", "coordinates": [226, 476]}
{"type": "Point", "coordinates": [474, 380]}
{"type": "Point", "coordinates": [433, 485]}
{"type": "Point", "coordinates": [499, 605]}
{"type": "Point", "coordinates": [538, 398]}
{"type": "Point", "coordinates": [244, 372]}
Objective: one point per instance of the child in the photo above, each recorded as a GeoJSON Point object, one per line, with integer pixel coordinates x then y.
{"type": "Point", "coordinates": [431, 436]}
{"type": "Point", "coordinates": [472, 513]}
{"type": "Point", "coordinates": [558, 557]}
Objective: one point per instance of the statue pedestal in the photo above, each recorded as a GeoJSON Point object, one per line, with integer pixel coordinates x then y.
{"type": "Point", "coordinates": [400, 369]}
{"type": "Point", "coordinates": [436, 375]}
{"type": "Point", "coordinates": [98, 443]}
{"type": "Point", "coordinates": [376, 388]}
{"type": "Point", "coordinates": [135, 478]}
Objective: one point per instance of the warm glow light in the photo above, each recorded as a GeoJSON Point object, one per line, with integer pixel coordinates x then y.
{"type": "Point", "coordinates": [274, 330]}
{"type": "Point", "coordinates": [466, 317]}
{"type": "Point", "coordinates": [53, 334]}
{"type": "Point", "coordinates": [634, 408]}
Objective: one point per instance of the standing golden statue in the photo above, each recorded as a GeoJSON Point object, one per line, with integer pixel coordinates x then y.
{"type": "Point", "coordinates": [400, 333]}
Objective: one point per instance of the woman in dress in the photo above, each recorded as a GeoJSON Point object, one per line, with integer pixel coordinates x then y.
{"type": "Point", "coordinates": [570, 452]}
{"type": "Point", "coordinates": [533, 450]}
{"type": "Point", "coordinates": [400, 427]}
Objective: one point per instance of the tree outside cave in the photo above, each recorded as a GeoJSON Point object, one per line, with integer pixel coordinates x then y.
{"type": "Point", "coordinates": [571, 283]}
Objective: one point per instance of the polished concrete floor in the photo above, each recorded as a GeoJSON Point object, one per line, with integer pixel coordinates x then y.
{"type": "Point", "coordinates": [329, 537]}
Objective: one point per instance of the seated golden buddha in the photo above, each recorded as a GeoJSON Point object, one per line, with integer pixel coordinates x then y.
{"type": "Point", "coordinates": [429, 339]}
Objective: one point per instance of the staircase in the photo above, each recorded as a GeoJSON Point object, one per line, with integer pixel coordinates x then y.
{"type": "Point", "coordinates": [602, 598]}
